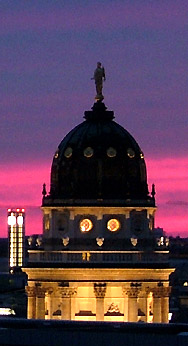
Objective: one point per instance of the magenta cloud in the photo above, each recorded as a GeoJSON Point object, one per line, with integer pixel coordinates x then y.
{"type": "Point", "coordinates": [21, 186]}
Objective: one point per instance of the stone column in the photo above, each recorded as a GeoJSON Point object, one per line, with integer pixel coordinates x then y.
{"type": "Point", "coordinates": [40, 303]}
{"type": "Point", "coordinates": [165, 304]}
{"type": "Point", "coordinates": [147, 293]}
{"type": "Point", "coordinates": [31, 302]}
{"type": "Point", "coordinates": [49, 303]}
{"type": "Point", "coordinates": [124, 292]}
{"type": "Point", "coordinates": [100, 291]}
{"type": "Point", "coordinates": [157, 294]}
{"type": "Point", "coordinates": [66, 294]}
{"type": "Point", "coordinates": [132, 293]}
{"type": "Point", "coordinates": [132, 305]}
{"type": "Point", "coordinates": [143, 306]}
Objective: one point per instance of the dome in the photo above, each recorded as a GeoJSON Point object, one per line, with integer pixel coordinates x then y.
{"type": "Point", "coordinates": [98, 160]}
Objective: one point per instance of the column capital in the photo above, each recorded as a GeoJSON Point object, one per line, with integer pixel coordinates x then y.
{"type": "Point", "coordinates": [100, 289]}
{"type": "Point", "coordinates": [31, 291]}
{"type": "Point", "coordinates": [161, 291]}
{"type": "Point", "coordinates": [157, 292]}
{"type": "Point", "coordinates": [40, 292]}
{"type": "Point", "coordinates": [167, 291]}
{"type": "Point", "coordinates": [143, 293]}
{"type": "Point", "coordinates": [67, 292]}
{"type": "Point", "coordinates": [49, 291]}
{"type": "Point", "coordinates": [148, 290]}
{"type": "Point", "coordinates": [133, 290]}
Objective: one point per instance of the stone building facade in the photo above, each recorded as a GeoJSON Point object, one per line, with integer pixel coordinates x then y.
{"type": "Point", "coordinates": [99, 259]}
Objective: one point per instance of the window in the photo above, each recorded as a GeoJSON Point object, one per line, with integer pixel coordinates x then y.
{"type": "Point", "coordinates": [88, 152]}
{"type": "Point", "coordinates": [113, 225]}
{"type": "Point", "coordinates": [68, 152]}
{"type": "Point", "coordinates": [86, 225]}
{"type": "Point", "coordinates": [130, 153]}
{"type": "Point", "coordinates": [111, 152]}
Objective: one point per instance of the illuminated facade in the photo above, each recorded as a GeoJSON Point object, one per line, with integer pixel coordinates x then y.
{"type": "Point", "coordinates": [99, 259]}
{"type": "Point", "coordinates": [16, 237]}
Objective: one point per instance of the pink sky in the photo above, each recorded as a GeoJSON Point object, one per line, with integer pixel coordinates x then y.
{"type": "Point", "coordinates": [21, 186]}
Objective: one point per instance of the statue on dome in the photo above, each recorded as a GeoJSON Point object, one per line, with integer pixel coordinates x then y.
{"type": "Point", "coordinates": [99, 77]}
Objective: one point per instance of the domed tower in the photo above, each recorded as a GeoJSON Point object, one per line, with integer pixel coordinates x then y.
{"type": "Point", "coordinates": [98, 179]}
{"type": "Point", "coordinates": [99, 160]}
{"type": "Point", "coordinates": [98, 258]}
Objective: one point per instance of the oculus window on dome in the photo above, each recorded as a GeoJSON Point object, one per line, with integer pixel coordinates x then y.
{"type": "Point", "coordinates": [130, 153]}
{"type": "Point", "coordinates": [113, 225]}
{"type": "Point", "coordinates": [111, 152]}
{"type": "Point", "coordinates": [68, 152]}
{"type": "Point", "coordinates": [86, 225]}
{"type": "Point", "coordinates": [88, 152]}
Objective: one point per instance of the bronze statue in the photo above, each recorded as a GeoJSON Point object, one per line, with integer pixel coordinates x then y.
{"type": "Point", "coordinates": [99, 76]}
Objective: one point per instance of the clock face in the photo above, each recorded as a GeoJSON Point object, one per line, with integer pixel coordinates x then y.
{"type": "Point", "coordinates": [113, 225]}
{"type": "Point", "coordinates": [86, 225]}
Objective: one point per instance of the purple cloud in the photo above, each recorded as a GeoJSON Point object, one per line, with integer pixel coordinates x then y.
{"type": "Point", "coordinates": [96, 16]}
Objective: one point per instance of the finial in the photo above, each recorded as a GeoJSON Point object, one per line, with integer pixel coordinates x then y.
{"type": "Point", "coordinates": [153, 191]}
{"type": "Point", "coordinates": [44, 193]}
{"type": "Point", "coordinates": [99, 77]}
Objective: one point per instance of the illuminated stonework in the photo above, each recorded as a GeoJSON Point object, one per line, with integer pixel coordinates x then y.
{"type": "Point", "coordinates": [113, 225]}
{"type": "Point", "coordinates": [99, 259]}
{"type": "Point", "coordinates": [86, 225]}
{"type": "Point", "coordinates": [74, 294]}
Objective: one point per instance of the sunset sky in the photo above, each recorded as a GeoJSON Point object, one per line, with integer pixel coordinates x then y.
{"type": "Point", "coordinates": [48, 52]}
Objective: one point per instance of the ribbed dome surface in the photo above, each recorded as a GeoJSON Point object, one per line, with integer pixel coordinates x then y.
{"type": "Point", "coordinates": [98, 159]}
